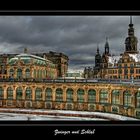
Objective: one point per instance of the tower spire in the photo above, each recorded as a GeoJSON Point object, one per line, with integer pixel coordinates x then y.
{"type": "Point", "coordinates": [98, 48]}
{"type": "Point", "coordinates": [131, 20]}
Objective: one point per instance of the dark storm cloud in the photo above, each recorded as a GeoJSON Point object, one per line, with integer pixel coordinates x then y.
{"type": "Point", "coordinates": [76, 36]}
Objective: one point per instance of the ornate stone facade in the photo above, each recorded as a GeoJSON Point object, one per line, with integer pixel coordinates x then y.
{"type": "Point", "coordinates": [119, 99]}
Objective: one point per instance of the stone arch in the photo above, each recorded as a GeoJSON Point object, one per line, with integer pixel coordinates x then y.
{"type": "Point", "coordinates": [138, 99]}
{"type": "Point", "coordinates": [69, 95]}
{"type": "Point", "coordinates": [48, 94]}
{"type": "Point", "coordinates": [38, 93]}
{"type": "Point", "coordinates": [80, 95]}
{"type": "Point", "coordinates": [91, 95]}
{"type": "Point", "coordinates": [28, 93]}
{"type": "Point", "coordinates": [19, 73]}
{"type": "Point", "coordinates": [27, 73]}
{"type": "Point", "coordinates": [10, 93]}
{"type": "Point", "coordinates": [103, 96]}
{"type": "Point", "coordinates": [127, 98]}
{"type": "Point", "coordinates": [1, 93]}
{"type": "Point", "coordinates": [59, 94]}
{"type": "Point", "coordinates": [19, 93]}
{"type": "Point", "coordinates": [115, 96]}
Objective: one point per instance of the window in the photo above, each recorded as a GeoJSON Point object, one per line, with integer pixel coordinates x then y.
{"type": "Point", "coordinates": [115, 97]}
{"type": "Point", "coordinates": [28, 93]}
{"type": "Point", "coordinates": [138, 100]}
{"type": "Point", "coordinates": [19, 93]}
{"type": "Point", "coordinates": [91, 95]}
{"type": "Point", "coordinates": [103, 96]}
{"type": "Point", "coordinates": [27, 73]}
{"type": "Point", "coordinates": [59, 95]}
{"type": "Point", "coordinates": [9, 93]}
{"type": "Point", "coordinates": [1, 93]}
{"type": "Point", "coordinates": [19, 73]}
{"type": "Point", "coordinates": [80, 95]}
{"type": "Point", "coordinates": [38, 94]}
{"type": "Point", "coordinates": [69, 95]}
{"type": "Point", "coordinates": [127, 98]}
{"type": "Point", "coordinates": [48, 94]}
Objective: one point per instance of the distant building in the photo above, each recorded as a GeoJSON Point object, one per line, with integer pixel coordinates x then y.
{"type": "Point", "coordinates": [42, 65]}
{"type": "Point", "coordinates": [124, 66]}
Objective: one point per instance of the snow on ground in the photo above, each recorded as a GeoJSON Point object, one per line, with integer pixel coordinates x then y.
{"type": "Point", "coordinates": [17, 116]}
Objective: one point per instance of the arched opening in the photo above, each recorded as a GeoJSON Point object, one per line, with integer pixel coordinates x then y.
{"type": "Point", "coordinates": [91, 96]}
{"type": "Point", "coordinates": [80, 95]}
{"type": "Point", "coordinates": [19, 93]}
{"type": "Point", "coordinates": [69, 93]}
{"type": "Point", "coordinates": [103, 96]}
{"type": "Point", "coordinates": [115, 97]}
{"type": "Point", "coordinates": [9, 93]}
{"type": "Point", "coordinates": [48, 94]}
{"type": "Point", "coordinates": [127, 98]}
{"type": "Point", "coordinates": [1, 93]}
{"type": "Point", "coordinates": [138, 100]}
{"type": "Point", "coordinates": [59, 95]}
{"type": "Point", "coordinates": [19, 73]}
{"type": "Point", "coordinates": [28, 93]}
{"type": "Point", "coordinates": [27, 73]}
{"type": "Point", "coordinates": [38, 94]}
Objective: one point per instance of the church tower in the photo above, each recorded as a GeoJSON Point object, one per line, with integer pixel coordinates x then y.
{"type": "Point", "coordinates": [97, 58]}
{"type": "Point", "coordinates": [106, 47]}
{"type": "Point", "coordinates": [131, 41]}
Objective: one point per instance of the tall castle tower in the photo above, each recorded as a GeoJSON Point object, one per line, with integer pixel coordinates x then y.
{"type": "Point", "coordinates": [131, 41]}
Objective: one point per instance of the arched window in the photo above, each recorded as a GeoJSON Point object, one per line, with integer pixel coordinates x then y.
{"type": "Point", "coordinates": [103, 96]}
{"type": "Point", "coordinates": [59, 95]}
{"type": "Point", "coordinates": [11, 72]}
{"type": "Point", "coordinates": [80, 95]}
{"type": "Point", "coordinates": [28, 93]}
{"type": "Point", "coordinates": [1, 93]}
{"type": "Point", "coordinates": [115, 97]}
{"type": "Point", "coordinates": [19, 73]}
{"type": "Point", "coordinates": [19, 93]}
{"type": "Point", "coordinates": [127, 98]}
{"type": "Point", "coordinates": [38, 94]}
{"type": "Point", "coordinates": [27, 73]}
{"type": "Point", "coordinates": [91, 96]}
{"type": "Point", "coordinates": [138, 100]}
{"type": "Point", "coordinates": [69, 93]}
{"type": "Point", "coordinates": [48, 92]}
{"type": "Point", "coordinates": [9, 93]}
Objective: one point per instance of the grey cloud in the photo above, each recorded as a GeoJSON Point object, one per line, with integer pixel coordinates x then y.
{"type": "Point", "coordinates": [76, 36]}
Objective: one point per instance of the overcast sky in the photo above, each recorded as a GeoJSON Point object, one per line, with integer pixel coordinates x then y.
{"type": "Point", "coordinates": [75, 36]}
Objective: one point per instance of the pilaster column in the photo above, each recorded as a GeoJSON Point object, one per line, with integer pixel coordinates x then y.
{"type": "Point", "coordinates": [14, 92]}
{"type": "Point", "coordinates": [121, 97]}
{"type": "Point", "coordinates": [43, 94]}
{"type": "Point", "coordinates": [64, 93]}
{"type": "Point", "coordinates": [5, 92]}
{"type": "Point", "coordinates": [23, 92]}
{"type": "Point", "coordinates": [75, 95]}
{"type": "Point", "coordinates": [97, 95]}
{"type": "Point", "coordinates": [53, 93]}
{"type": "Point", "coordinates": [33, 93]}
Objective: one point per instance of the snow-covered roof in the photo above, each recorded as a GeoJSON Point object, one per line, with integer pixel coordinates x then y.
{"type": "Point", "coordinates": [136, 57]}
{"type": "Point", "coordinates": [113, 59]}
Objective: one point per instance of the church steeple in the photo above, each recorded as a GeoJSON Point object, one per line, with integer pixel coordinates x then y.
{"type": "Point", "coordinates": [97, 49]}
{"type": "Point", "coordinates": [131, 40]}
{"type": "Point", "coordinates": [107, 47]}
{"type": "Point", "coordinates": [97, 58]}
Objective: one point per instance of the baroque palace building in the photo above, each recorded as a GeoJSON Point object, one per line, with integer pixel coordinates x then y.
{"type": "Point", "coordinates": [124, 66]}
{"type": "Point", "coordinates": [36, 66]}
